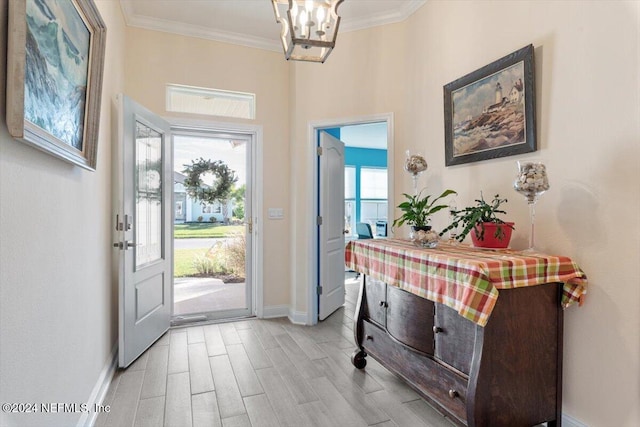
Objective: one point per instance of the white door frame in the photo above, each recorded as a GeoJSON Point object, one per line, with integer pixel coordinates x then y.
{"type": "Point", "coordinates": [312, 181]}
{"type": "Point", "coordinates": [255, 131]}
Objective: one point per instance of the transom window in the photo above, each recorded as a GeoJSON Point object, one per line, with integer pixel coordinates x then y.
{"type": "Point", "coordinates": [212, 102]}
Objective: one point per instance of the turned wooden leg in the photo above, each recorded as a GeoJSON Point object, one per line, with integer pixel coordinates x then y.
{"type": "Point", "coordinates": [358, 359]}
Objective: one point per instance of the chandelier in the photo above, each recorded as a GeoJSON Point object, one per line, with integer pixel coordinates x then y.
{"type": "Point", "coordinates": [309, 28]}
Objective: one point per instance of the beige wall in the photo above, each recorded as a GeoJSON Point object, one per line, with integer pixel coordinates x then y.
{"type": "Point", "coordinates": [588, 113]}
{"type": "Point", "coordinates": [154, 59]}
{"type": "Point", "coordinates": [57, 298]}
{"type": "Point", "coordinates": [364, 76]}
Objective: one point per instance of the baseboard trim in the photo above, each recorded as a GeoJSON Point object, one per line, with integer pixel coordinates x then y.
{"type": "Point", "coordinates": [273, 311]}
{"type": "Point", "coordinates": [99, 391]}
{"type": "Point", "coordinates": [569, 421]}
{"type": "Point", "coordinates": [298, 317]}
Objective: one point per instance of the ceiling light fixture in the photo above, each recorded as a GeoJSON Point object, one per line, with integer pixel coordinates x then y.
{"type": "Point", "coordinates": [309, 28]}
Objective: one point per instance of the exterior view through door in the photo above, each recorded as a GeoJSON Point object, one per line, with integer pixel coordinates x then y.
{"type": "Point", "coordinates": [212, 211]}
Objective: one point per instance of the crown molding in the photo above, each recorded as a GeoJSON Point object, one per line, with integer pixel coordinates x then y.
{"type": "Point", "coordinates": [385, 18]}
{"type": "Point", "coordinates": [168, 26]}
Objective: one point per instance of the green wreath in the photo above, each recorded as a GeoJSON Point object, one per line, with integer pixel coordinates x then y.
{"type": "Point", "coordinates": [221, 187]}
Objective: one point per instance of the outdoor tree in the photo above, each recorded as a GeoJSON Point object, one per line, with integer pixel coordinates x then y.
{"type": "Point", "coordinates": [237, 195]}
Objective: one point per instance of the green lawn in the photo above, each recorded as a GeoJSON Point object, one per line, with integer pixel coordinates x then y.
{"type": "Point", "coordinates": [205, 230]}
{"type": "Point", "coordinates": [183, 261]}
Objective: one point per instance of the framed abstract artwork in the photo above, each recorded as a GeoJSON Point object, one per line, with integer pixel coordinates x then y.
{"type": "Point", "coordinates": [490, 112]}
{"type": "Point", "coordinates": [55, 61]}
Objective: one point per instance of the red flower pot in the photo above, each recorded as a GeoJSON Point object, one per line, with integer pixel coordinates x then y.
{"type": "Point", "coordinates": [489, 239]}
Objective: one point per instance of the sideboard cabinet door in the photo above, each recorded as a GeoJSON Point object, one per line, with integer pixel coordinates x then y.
{"type": "Point", "coordinates": [376, 302]}
{"type": "Point", "coordinates": [410, 319]}
{"type": "Point", "coordinates": [454, 338]}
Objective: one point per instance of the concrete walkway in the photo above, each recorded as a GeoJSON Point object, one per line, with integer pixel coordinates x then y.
{"type": "Point", "coordinates": [201, 295]}
{"type": "Point", "coordinates": [205, 243]}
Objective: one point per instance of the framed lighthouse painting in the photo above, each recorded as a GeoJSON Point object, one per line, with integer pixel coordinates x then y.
{"type": "Point", "coordinates": [490, 112]}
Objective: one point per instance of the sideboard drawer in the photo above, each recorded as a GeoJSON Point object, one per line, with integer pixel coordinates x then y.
{"type": "Point", "coordinates": [455, 338]}
{"type": "Point", "coordinates": [451, 392]}
{"type": "Point", "coordinates": [376, 302]}
{"type": "Point", "coordinates": [410, 319]}
{"type": "Point", "coordinates": [440, 385]}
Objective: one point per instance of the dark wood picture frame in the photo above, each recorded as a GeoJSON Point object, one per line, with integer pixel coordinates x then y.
{"type": "Point", "coordinates": [481, 122]}
{"type": "Point", "coordinates": [63, 116]}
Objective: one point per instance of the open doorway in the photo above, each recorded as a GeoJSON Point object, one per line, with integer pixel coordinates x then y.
{"type": "Point", "coordinates": [368, 173]}
{"type": "Point", "coordinates": [366, 179]}
{"type": "Point", "coordinates": [212, 226]}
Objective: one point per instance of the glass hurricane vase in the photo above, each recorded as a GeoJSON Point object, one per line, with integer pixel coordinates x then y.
{"type": "Point", "coordinates": [532, 181]}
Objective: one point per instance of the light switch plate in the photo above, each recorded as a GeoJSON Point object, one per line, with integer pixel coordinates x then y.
{"type": "Point", "coordinates": [275, 213]}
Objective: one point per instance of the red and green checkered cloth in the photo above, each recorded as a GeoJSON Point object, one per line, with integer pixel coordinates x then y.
{"type": "Point", "coordinates": [464, 278]}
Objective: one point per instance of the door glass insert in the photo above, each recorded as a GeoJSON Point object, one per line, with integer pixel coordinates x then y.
{"type": "Point", "coordinates": [148, 193]}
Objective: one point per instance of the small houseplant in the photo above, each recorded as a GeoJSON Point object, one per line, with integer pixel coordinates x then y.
{"type": "Point", "coordinates": [417, 210]}
{"type": "Point", "coordinates": [488, 230]}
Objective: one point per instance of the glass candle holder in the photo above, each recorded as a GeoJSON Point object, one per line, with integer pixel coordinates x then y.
{"type": "Point", "coordinates": [453, 233]}
{"type": "Point", "coordinates": [415, 164]}
{"type": "Point", "coordinates": [532, 181]}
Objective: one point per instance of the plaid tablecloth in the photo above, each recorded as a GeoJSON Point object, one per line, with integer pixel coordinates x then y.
{"type": "Point", "coordinates": [464, 278]}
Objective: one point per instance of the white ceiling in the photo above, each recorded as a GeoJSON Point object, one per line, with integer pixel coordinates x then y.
{"type": "Point", "coordinates": [251, 22]}
{"type": "Point", "coordinates": [369, 135]}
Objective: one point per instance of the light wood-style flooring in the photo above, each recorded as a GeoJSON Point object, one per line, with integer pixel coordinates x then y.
{"type": "Point", "coordinates": [262, 373]}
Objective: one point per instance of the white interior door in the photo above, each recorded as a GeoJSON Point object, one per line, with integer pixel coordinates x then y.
{"type": "Point", "coordinates": [331, 268]}
{"type": "Point", "coordinates": [143, 189]}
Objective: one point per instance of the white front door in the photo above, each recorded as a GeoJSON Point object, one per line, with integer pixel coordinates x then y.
{"type": "Point", "coordinates": [331, 229]}
{"type": "Point", "coordinates": [143, 183]}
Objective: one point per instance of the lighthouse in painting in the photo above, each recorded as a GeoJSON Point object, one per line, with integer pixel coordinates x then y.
{"type": "Point", "coordinates": [498, 93]}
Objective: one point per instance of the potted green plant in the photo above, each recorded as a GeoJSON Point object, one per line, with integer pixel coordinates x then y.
{"type": "Point", "coordinates": [489, 231]}
{"type": "Point", "coordinates": [417, 210]}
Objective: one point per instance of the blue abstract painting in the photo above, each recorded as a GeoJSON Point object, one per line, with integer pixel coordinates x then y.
{"type": "Point", "coordinates": [57, 62]}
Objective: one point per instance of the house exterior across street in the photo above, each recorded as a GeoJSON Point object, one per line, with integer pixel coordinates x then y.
{"type": "Point", "coordinates": [188, 209]}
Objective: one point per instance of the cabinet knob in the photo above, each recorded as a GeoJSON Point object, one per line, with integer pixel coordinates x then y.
{"type": "Point", "coordinates": [437, 329]}
{"type": "Point", "coordinates": [453, 394]}
{"type": "Point", "coordinates": [383, 304]}
{"type": "Point", "coordinates": [369, 337]}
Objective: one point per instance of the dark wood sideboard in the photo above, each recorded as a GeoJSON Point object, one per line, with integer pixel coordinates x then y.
{"type": "Point", "coordinates": [508, 373]}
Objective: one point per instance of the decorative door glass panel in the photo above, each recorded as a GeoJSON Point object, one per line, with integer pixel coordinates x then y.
{"type": "Point", "coordinates": [148, 221]}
